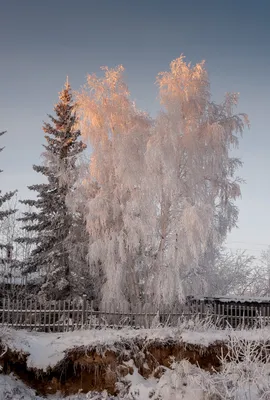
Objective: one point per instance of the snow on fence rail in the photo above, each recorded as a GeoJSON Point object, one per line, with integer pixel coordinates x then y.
{"type": "Point", "coordinates": [59, 316]}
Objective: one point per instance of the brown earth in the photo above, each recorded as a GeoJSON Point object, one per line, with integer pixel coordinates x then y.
{"type": "Point", "coordinates": [91, 369]}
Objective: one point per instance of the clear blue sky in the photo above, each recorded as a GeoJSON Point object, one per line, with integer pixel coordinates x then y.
{"type": "Point", "coordinates": [43, 41]}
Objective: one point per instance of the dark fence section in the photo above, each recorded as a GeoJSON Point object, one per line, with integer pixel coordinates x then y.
{"type": "Point", "coordinates": [69, 315]}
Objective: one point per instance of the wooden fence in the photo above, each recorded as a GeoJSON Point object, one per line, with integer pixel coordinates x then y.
{"type": "Point", "coordinates": [69, 315]}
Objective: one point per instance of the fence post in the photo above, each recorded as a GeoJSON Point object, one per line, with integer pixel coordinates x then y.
{"type": "Point", "coordinates": [8, 311]}
{"type": "Point", "coordinates": [3, 311]}
{"type": "Point", "coordinates": [91, 315]}
{"type": "Point", "coordinates": [83, 310]}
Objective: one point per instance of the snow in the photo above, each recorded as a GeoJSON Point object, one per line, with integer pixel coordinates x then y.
{"type": "Point", "coordinates": [204, 338]}
{"type": "Point", "coordinates": [140, 388]}
{"type": "Point", "coordinates": [182, 382]}
{"type": "Point", "coordinates": [135, 388]}
{"type": "Point", "coordinates": [12, 388]}
{"type": "Point", "coordinates": [46, 350]}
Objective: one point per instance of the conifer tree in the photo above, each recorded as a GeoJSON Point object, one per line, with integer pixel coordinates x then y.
{"type": "Point", "coordinates": [52, 220]}
{"type": "Point", "coordinates": [5, 213]}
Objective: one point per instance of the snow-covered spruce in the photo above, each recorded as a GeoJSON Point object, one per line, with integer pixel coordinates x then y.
{"type": "Point", "coordinates": [52, 220]}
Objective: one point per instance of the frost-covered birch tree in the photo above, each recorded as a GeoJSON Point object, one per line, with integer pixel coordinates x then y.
{"type": "Point", "coordinates": [164, 189]}
{"type": "Point", "coordinates": [190, 177]}
{"type": "Point", "coordinates": [118, 133]}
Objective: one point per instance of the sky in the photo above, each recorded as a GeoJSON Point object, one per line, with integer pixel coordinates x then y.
{"type": "Point", "coordinates": [44, 41]}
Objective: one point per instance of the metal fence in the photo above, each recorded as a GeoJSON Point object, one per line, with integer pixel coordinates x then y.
{"type": "Point", "coordinates": [69, 315]}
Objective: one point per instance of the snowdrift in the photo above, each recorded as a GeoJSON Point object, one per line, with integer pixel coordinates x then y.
{"type": "Point", "coordinates": [86, 361]}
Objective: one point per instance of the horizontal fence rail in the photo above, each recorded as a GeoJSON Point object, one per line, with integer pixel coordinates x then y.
{"type": "Point", "coordinates": [61, 316]}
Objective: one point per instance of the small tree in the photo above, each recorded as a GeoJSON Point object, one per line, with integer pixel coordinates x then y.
{"type": "Point", "coordinates": [259, 280]}
{"type": "Point", "coordinates": [53, 221]}
{"type": "Point", "coordinates": [223, 273]}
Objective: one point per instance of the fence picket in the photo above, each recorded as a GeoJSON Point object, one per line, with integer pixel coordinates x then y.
{"type": "Point", "coordinates": [12, 313]}
{"type": "Point", "coordinates": [49, 315]}
{"type": "Point", "coordinates": [98, 316]}
{"type": "Point", "coordinates": [17, 312]}
{"type": "Point", "coordinates": [244, 311]}
{"type": "Point", "coordinates": [35, 314]}
{"type": "Point", "coordinates": [58, 304]}
{"type": "Point", "coordinates": [263, 316]}
{"type": "Point", "coordinates": [146, 318]}
{"type": "Point", "coordinates": [3, 311]}
{"type": "Point", "coordinates": [68, 314]}
{"type": "Point", "coordinates": [30, 313]}
{"type": "Point", "coordinates": [73, 314]}
{"type": "Point", "coordinates": [216, 317]}
{"type": "Point", "coordinates": [8, 311]}
{"type": "Point", "coordinates": [201, 310]}
{"type": "Point", "coordinates": [26, 313]}
{"type": "Point", "coordinates": [83, 310]}
{"type": "Point", "coordinates": [109, 314]}
{"type": "Point", "coordinates": [79, 315]}
{"type": "Point", "coordinates": [239, 315]}
{"type": "Point", "coordinates": [54, 315]}
{"type": "Point", "coordinates": [86, 323]}
{"type": "Point", "coordinates": [64, 315]}
{"type": "Point", "coordinates": [43, 317]}
{"type": "Point", "coordinates": [21, 314]}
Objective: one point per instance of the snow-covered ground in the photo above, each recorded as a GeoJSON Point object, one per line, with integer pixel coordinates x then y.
{"type": "Point", "coordinates": [174, 385]}
{"type": "Point", "coordinates": [183, 382]}
{"type": "Point", "coordinates": [249, 380]}
{"type": "Point", "coordinates": [47, 349]}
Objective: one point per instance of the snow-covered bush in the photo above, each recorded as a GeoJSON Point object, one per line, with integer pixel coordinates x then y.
{"type": "Point", "coordinates": [244, 374]}
{"type": "Point", "coordinates": [198, 324]}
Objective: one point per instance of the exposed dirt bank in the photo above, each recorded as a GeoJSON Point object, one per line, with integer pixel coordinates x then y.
{"type": "Point", "coordinates": [98, 368]}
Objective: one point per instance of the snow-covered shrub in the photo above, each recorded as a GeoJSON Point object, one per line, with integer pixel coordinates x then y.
{"type": "Point", "coordinates": [198, 324]}
{"type": "Point", "coordinates": [244, 374]}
